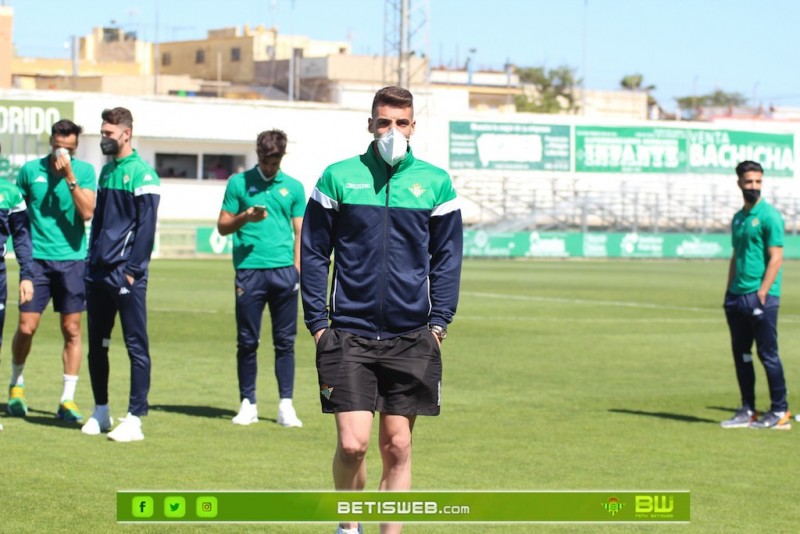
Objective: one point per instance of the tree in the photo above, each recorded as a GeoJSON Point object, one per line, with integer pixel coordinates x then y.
{"type": "Point", "coordinates": [633, 82]}
{"type": "Point", "coordinates": [718, 98]}
{"type": "Point", "coordinates": [722, 99]}
{"type": "Point", "coordinates": [553, 90]}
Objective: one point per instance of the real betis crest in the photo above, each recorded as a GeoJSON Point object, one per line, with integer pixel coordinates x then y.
{"type": "Point", "coordinates": [416, 190]}
{"type": "Point", "coordinates": [613, 506]}
{"type": "Point", "coordinates": [326, 391]}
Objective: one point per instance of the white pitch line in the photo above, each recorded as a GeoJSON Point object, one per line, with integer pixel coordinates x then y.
{"type": "Point", "coordinates": [622, 303]}
{"type": "Point", "coordinates": [185, 310]}
{"type": "Point", "coordinates": [588, 320]}
{"type": "Point", "coordinates": [619, 303]}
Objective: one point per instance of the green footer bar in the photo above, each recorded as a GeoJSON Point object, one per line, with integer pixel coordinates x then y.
{"type": "Point", "coordinates": [408, 507]}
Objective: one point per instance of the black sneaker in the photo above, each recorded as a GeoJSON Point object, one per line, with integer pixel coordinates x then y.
{"type": "Point", "coordinates": [742, 419]}
{"type": "Point", "coordinates": [776, 420]}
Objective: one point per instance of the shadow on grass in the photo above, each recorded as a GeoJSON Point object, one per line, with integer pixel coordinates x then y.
{"type": "Point", "coordinates": [196, 411]}
{"type": "Point", "coordinates": [42, 417]}
{"type": "Point", "coordinates": [665, 415]}
{"type": "Point", "coordinates": [722, 409]}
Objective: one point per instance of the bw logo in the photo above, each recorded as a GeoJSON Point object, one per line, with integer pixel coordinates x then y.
{"type": "Point", "coordinates": [659, 504]}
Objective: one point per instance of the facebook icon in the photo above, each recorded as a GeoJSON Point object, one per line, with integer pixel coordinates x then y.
{"type": "Point", "coordinates": [142, 507]}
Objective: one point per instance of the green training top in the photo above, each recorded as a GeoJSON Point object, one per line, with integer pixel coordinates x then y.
{"type": "Point", "coordinates": [267, 244]}
{"type": "Point", "coordinates": [752, 234]}
{"type": "Point", "coordinates": [58, 231]}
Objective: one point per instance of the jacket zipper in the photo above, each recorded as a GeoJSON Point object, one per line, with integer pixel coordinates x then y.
{"type": "Point", "coordinates": [384, 259]}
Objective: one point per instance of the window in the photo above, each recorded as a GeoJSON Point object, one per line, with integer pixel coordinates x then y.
{"type": "Point", "coordinates": [236, 53]}
{"type": "Point", "coordinates": [166, 59]}
{"type": "Point", "coordinates": [200, 56]}
{"type": "Point", "coordinates": [176, 165]}
{"type": "Point", "coordinates": [110, 35]}
{"type": "Point", "coordinates": [221, 166]}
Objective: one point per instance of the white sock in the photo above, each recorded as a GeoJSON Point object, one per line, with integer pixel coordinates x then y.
{"type": "Point", "coordinates": [70, 381]}
{"type": "Point", "coordinates": [16, 374]}
{"type": "Point", "coordinates": [353, 530]}
{"type": "Point", "coordinates": [285, 403]}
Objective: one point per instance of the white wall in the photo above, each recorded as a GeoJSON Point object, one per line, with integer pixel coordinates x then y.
{"type": "Point", "coordinates": [320, 134]}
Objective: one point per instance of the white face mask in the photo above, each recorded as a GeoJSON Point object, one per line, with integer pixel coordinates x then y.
{"type": "Point", "coordinates": [392, 146]}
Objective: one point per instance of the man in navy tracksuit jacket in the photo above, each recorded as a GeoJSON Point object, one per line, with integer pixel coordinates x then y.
{"type": "Point", "coordinates": [123, 233]}
{"type": "Point", "coordinates": [394, 228]}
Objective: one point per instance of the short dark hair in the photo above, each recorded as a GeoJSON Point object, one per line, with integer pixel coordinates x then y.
{"type": "Point", "coordinates": [393, 96]}
{"type": "Point", "coordinates": [118, 117]}
{"type": "Point", "coordinates": [65, 127]}
{"type": "Point", "coordinates": [271, 143]}
{"type": "Point", "coordinates": [748, 166]}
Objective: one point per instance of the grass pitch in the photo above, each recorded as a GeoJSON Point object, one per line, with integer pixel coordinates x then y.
{"type": "Point", "coordinates": [562, 375]}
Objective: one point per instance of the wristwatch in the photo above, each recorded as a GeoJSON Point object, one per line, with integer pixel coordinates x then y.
{"type": "Point", "coordinates": [72, 185]}
{"type": "Point", "coordinates": [438, 331]}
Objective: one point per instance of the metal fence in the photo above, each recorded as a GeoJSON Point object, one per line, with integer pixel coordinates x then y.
{"type": "Point", "coordinates": [512, 204]}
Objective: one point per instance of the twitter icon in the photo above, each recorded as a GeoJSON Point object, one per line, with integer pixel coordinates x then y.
{"type": "Point", "coordinates": [174, 507]}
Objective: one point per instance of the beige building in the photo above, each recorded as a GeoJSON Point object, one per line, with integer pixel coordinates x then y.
{"type": "Point", "coordinates": [105, 53]}
{"type": "Point", "coordinates": [261, 63]}
{"type": "Point", "coordinates": [6, 44]}
{"type": "Point", "coordinates": [115, 46]}
{"type": "Point", "coordinates": [240, 56]}
{"type": "Point", "coordinates": [610, 104]}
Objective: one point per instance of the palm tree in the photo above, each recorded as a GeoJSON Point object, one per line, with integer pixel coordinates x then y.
{"type": "Point", "coordinates": [633, 82]}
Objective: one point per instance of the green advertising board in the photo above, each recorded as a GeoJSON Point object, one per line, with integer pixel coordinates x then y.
{"type": "Point", "coordinates": [479, 243]}
{"type": "Point", "coordinates": [606, 149]}
{"type": "Point", "coordinates": [719, 151]}
{"type": "Point", "coordinates": [8, 171]}
{"type": "Point", "coordinates": [209, 241]}
{"type": "Point", "coordinates": [509, 146]}
{"type": "Point", "coordinates": [30, 118]}
{"type": "Point", "coordinates": [487, 244]}
{"type": "Point", "coordinates": [630, 150]}
{"type": "Point", "coordinates": [25, 129]}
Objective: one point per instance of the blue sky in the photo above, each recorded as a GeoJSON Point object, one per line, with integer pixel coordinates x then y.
{"type": "Point", "coordinates": [683, 47]}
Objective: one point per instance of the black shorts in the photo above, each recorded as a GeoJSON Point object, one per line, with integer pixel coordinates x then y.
{"type": "Point", "coordinates": [61, 280]}
{"type": "Point", "coordinates": [401, 376]}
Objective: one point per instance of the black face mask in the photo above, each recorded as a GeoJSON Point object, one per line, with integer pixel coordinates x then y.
{"type": "Point", "coordinates": [751, 196]}
{"type": "Point", "coordinates": [109, 146]}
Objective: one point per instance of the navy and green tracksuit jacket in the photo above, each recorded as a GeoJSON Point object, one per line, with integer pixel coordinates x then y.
{"type": "Point", "coordinates": [14, 223]}
{"type": "Point", "coordinates": [397, 241]}
{"type": "Point", "coordinates": [124, 223]}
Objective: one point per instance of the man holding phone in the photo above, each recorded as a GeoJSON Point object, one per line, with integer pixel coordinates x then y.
{"type": "Point", "coordinates": [263, 209]}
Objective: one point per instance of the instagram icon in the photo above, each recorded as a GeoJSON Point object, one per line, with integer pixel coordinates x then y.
{"type": "Point", "coordinates": [206, 507]}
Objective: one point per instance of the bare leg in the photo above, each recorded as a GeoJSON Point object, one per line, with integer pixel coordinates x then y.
{"type": "Point", "coordinates": [23, 338]}
{"type": "Point", "coordinates": [349, 465]}
{"type": "Point", "coordinates": [71, 330]}
{"type": "Point", "coordinates": [395, 445]}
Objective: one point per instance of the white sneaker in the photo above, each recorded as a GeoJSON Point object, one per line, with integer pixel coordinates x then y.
{"type": "Point", "coordinates": [129, 429]}
{"type": "Point", "coordinates": [99, 422]}
{"type": "Point", "coordinates": [248, 414]}
{"type": "Point", "coordinates": [287, 416]}
{"type": "Point", "coordinates": [354, 530]}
